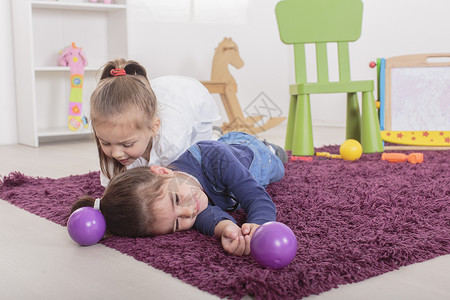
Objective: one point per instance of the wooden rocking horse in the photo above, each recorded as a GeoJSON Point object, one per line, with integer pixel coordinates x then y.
{"type": "Point", "coordinates": [224, 84]}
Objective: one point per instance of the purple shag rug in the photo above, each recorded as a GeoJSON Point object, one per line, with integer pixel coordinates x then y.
{"type": "Point", "coordinates": [353, 221]}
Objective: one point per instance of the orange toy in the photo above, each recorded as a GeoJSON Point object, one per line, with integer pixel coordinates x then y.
{"type": "Point", "coordinates": [302, 158]}
{"type": "Point", "coordinates": [413, 158]}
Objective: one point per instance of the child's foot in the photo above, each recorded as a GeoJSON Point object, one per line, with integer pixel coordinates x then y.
{"type": "Point", "coordinates": [280, 152]}
{"type": "Point", "coordinates": [216, 133]}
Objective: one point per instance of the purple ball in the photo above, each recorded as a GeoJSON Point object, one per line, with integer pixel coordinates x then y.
{"type": "Point", "coordinates": [86, 226]}
{"type": "Point", "coordinates": [273, 245]}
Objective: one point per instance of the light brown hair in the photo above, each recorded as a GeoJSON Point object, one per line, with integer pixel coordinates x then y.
{"type": "Point", "coordinates": [115, 96]}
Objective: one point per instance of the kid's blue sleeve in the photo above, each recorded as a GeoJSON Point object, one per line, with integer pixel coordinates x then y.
{"type": "Point", "coordinates": [252, 197]}
{"type": "Point", "coordinates": [237, 179]}
{"type": "Point", "coordinates": [208, 219]}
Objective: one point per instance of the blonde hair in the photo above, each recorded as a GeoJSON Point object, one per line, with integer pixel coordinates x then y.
{"type": "Point", "coordinates": [117, 95]}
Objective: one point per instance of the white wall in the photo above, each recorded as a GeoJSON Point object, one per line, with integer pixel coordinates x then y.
{"type": "Point", "coordinates": [8, 127]}
{"type": "Point", "coordinates": [186, 47]}
{"type": "Point", "coordinates": [390, 28]}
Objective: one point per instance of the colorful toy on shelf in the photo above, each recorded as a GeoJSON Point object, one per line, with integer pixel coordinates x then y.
{"type": "Point", "coordinates": [351, 150]}
{"type": "Point", "coordinates": [413, 158]}
{"type": "Point", "coordinates": [74, 57]}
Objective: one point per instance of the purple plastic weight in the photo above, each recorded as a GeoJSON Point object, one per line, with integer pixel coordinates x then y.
{"type": "Point", "coordinates": [86, 226]}
{"type": "Point", "coordinates": [273, 245]}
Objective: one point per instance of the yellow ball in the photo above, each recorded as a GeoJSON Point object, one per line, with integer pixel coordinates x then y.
{"type": "Point", "coordinates": [350, 150]}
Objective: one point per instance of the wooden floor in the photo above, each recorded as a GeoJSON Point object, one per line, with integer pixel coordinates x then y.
{"type": "Point", "coordinates": [38, 260]}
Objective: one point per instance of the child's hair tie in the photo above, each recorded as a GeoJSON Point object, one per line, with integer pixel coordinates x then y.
{"type": "Point", "coordinates": [97, 204]}
{"type": "Point", "coordinates": [118, 72]}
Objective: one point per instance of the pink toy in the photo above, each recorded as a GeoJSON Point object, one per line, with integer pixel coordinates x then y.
{"type": "Point", "coordinates": [75, 58]}
{"type": "Point", "coordinates": [302, 158]}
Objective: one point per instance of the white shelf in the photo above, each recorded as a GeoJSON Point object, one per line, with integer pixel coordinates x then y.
{"type": "Point", "coordinates": [77, 5]}
{"type": "Point", "coordinates": [63, 69]}
{"type": "Point", "coordinates": [41, 30]}
{"type": "Point", "coordinates": [55, 132]}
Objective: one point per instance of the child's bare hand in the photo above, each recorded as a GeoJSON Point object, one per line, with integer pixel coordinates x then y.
{"type": "Point", "coordinates": [234, 242]}
{"type": "Point", "coordinates": [248, 229]}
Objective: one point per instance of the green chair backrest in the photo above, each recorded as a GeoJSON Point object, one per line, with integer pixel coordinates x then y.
{"type": "Point", "coordinates": [320, 21]}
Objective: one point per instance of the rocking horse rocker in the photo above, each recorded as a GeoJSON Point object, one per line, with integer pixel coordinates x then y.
{"type": "Point", "coordinates": [223, 83]}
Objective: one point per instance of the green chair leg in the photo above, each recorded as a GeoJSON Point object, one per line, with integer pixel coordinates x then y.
{"type": "Point", "coordinates": [370, 130]}
{"type": "Point", "coordinates": [353, 124]}
{"type": "Point", "coordinates": [303, 137]}
{"type": "Point", "coordinates": [290, 123]}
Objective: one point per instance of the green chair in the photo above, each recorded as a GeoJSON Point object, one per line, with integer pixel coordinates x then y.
{"type": "Point", "coordinates": [320, 22]}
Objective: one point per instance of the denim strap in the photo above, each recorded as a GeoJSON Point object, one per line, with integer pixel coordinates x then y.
{"type": "Point", "coordinates": [195, 151]}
